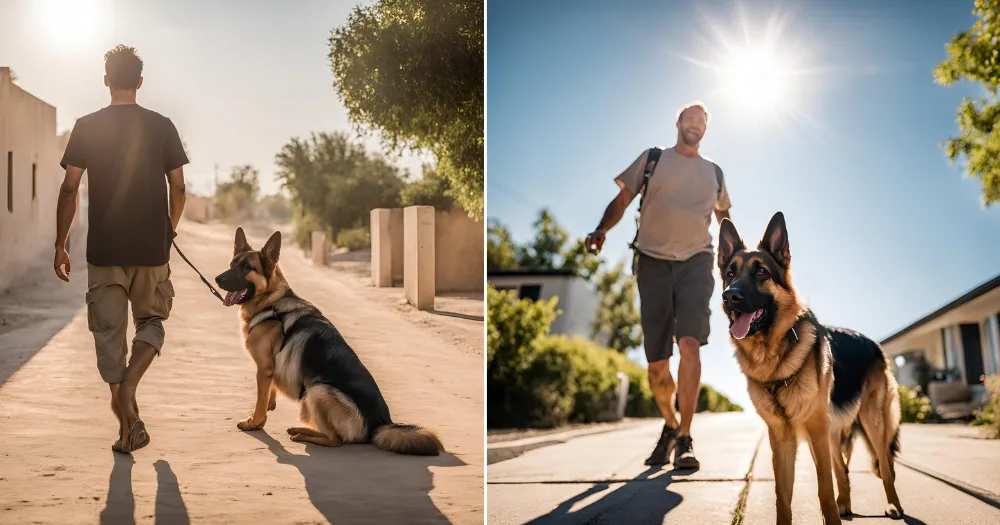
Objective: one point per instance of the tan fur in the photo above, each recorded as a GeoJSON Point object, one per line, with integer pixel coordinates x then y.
{"type": "Point", "coordinates": [801, 410]}
{"type": "Point", "coordinates": [332, 417]}
{"type": "Point", "coordinates": [407, 439]}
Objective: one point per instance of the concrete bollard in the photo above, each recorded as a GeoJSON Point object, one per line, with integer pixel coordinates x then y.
{"type": "Point", "coordinates": [623, 383]}
{"type": "Point", "coordinates": [382, 252]}
{"type": "Point", "coordinates": [418, 256]}
{"type": "Point", "coordinates": [319, 248]}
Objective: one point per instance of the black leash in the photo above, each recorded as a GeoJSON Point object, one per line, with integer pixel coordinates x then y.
{"type": "Point", "coordinates": [209, 285]}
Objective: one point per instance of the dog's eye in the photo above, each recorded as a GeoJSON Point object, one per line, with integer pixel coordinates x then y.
{"type": "Point", "coordinates": [762, 272]}
{"type": "Point", "coordinates": [730, 274]}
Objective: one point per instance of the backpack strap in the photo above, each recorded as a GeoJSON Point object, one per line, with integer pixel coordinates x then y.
{"type": "Point", "coordinates": [718, 180]}
{"type": "Point", "coordinates": [651, 160]}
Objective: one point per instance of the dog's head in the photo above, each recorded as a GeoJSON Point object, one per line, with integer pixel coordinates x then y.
{"type": "Point", "coordinates": [251, 272]}
{"type": "Point", "coordinates": [757, 287]}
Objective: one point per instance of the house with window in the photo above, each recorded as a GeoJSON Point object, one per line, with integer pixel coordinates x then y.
{"type": "Point", "coordinates": [578, 298]}
{"type": "Point", "coordinates": [948, 350]}
{"type": "Point", "coordinates": [30, 150]}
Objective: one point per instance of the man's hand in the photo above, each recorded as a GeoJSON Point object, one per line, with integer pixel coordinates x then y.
{"type": "Point", "coordinates": [595, 238]}
{"type": "Point", "coordinates": [62, 259]}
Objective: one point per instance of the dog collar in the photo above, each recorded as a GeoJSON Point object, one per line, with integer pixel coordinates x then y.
{"type": "Point", "coordinates": [773, 387]}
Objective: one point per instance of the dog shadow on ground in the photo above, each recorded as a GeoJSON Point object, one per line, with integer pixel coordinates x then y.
{"type": "Point", "coordinates": [120, 506]}
{"type": "Point", "coordinates": [642, 500]}
{"type": "Point", "coordinates": [361, 484]}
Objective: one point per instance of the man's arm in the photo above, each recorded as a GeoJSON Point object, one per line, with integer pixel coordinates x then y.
{"type": "Point", "coordinates": [66, 208]}
{"type": "Point", "coordinates": [178, 194]}
{"type": "Point", "coordinates": [616, 209]}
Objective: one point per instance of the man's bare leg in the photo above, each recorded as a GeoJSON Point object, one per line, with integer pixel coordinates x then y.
{"type": "Point", "coordinates": [663, 387]}
{"type": "Point", "coordinates": [689, 381]}
{"type": "Point", "coordinates": [142, 356]}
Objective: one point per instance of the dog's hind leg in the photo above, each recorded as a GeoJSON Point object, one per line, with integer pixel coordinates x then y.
{"type": "Point", "coordinates": [783, 448]}
{"type": "Point", "coordinates": [334, 415]}
{"type": "Point", "coordinates": [879, 432]}
{"type": "Point", "coordinates": [840, 455]}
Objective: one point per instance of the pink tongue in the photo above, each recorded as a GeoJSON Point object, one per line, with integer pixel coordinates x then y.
{"type": "Point", "coordinates": [230, 298]}
{"type": "Point", "coordinates": [741, 326]}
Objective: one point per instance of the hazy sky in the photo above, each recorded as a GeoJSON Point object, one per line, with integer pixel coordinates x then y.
{"type": "Point", "coordinates": [882, 228]}
{"type": "Point", "coordinates": [239, 79]}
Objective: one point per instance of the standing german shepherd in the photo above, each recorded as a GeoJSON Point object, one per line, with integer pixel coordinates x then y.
{"type": "Point", "coordinates": [806, 379]}
{"type": "Point", "coordinates": [299, 353]}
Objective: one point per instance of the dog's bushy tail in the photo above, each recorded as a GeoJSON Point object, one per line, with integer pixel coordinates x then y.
{"type": "Point", "coordinates": [407, 439]}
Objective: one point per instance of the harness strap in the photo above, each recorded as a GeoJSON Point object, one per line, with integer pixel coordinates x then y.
{"type": "Point", "coordinates": [209, 285]}
{"type": "Point", "coordinates": [773, 387]}
{"type": "Point", "coordinates": [266, 315]}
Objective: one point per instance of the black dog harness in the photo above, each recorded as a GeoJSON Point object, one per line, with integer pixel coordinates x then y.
{"type": "Point", "coordinates": [773, 387]}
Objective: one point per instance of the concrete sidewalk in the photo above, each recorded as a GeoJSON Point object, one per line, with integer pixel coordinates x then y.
{"type": "Point", "coordinates": [56, 427]}
{"type": "Point", "coordinates": [600, 478]}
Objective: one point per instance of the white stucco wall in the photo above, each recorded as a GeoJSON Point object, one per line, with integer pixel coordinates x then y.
{"type": "Point", "coordinates": [27, 137]}
{"type": "Point", "coordinates": [578, 299]}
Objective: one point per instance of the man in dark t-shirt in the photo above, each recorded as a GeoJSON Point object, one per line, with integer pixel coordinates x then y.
{"type": "Point", "coordinates": [126, 150]}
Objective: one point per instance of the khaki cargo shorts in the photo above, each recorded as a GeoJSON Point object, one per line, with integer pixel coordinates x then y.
{"type": "Point", "coordinates": [110, 289]}
{"type": "Point", "coordinates": [674, 299]}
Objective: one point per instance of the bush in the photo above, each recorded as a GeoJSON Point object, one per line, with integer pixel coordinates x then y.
{"type": "Point", "coordinates": [914, 408]}
{"type": "Point", "coordinates": [305, 224]}
{"type": "Point", "coordinates": [354, 239]}
{"type": "Point", "coordinates": [989, 416]}
{"type": "Point", "coordinates": [709, 400]}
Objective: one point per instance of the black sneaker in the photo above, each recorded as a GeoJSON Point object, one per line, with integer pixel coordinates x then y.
{"type": "Point", "coordinates": [684, 455]}
{"type": "Point", "coordinates": [664, 446]}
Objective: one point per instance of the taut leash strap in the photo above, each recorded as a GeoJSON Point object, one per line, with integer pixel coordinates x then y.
{"type": "Point", "coordinates": [209, 285]}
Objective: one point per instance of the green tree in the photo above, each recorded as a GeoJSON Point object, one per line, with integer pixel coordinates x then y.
{"type": "Point", "coordinates": [413, 71]}
{"type": "Point", "coordinates": [335, 183]}
{"type": "Point", "coordinates": [545, 251]}
{"type": "Point", "coordinates": [237, 197]}
{"type": "Point", "coordinates": [580, 261]}
{"type": "Point", "coordinates": [501, 251]}
{"type": "Point", "coordinates": [975, 55]}
{"type": "Point", "coordinates": [431, 189]}
{"type": "Point", "coordinates": [617, 316]}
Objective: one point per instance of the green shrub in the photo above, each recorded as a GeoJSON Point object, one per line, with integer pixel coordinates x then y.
{"type": "Point", "coordinates": [305, 224]}
{"type": "Point", "coordinates": [354, 239]}
{"type": "Point", "coordinates": [709, 400]}
{"type": "Point", "coordinates": [988, 417]}
{"type": "Point", "coordinates": [914, 408]}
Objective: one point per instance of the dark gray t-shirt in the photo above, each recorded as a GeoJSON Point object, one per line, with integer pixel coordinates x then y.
{"type": "Point", "coordinates": [127, 151]}
{"type": "Point", "coordinates": [677, 210]}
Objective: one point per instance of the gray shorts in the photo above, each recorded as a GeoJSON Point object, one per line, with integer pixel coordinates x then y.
{"type": "Point", "coordinates": [673, 302]}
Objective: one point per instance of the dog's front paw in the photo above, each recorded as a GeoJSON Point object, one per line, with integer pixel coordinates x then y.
{"type": "Point", "coordinates": [893, 512]}
{"type": "Point", "coordinates": [272, 404]}
{"type": "Point", "coordinates": [251, 424]}
{"type": "Point", "coordinates": [845, 509]}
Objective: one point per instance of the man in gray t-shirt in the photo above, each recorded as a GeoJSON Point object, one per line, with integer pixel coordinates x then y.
{"type": "Point", "coordinates": [675, 270]}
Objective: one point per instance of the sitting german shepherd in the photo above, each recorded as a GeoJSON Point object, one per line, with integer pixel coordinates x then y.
{"type": "Point", "coordinates": [805, 379]}
{"type": "Point", "coordinates": [299, 353]}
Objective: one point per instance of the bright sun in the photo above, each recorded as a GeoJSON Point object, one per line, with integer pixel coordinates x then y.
{"type": "Point", "coordinates": [756, 77]}
{"type": "Point", "coordinates": [71, 22]}
{"type": "Point", "coordinates": [755, 67]}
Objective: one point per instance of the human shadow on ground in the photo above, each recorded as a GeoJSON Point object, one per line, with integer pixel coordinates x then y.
{"type": "Point", "coordinates": [120, 506]}
{"type": "Point", "coordinates": [170, 507]}
{"type": "Point", "coordinates": [640, 501]}
{"type": "Point", "coordinates": [361, 484]}
{"type": "Point", "coordinates": [907, 520]}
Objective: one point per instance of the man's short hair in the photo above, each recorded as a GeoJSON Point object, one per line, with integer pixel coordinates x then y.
{"type": "Point", "coordinates": [699, 105]}
{"type": "Point", "coordinates": [123, 67]}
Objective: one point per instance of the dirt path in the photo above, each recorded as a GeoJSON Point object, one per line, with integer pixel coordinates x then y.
{"type": "Point", "coordinates": [56, 427]}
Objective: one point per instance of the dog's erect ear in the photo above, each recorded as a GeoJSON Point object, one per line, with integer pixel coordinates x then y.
{"type": "Point", "coordinates": [241, 245]}
{"type": "Point", "coordinates": [271, 249]}
{"type": "Point", "coordinates": [775, 240]}
{"type": "Point", "coordinates": [729, 242]}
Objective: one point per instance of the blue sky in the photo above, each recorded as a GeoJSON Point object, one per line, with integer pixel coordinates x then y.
{"type": "Point", "coordinates": [883, 229]}
{"type": "Point", "coordinates": [239, 79]}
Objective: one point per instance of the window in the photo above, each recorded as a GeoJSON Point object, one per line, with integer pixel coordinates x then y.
{"type": "Point", "coordinates": [34, 180]}
{"type": "Point", "coordinates": [10, 181]}
{"type": "Point", "coordinates": [531, 291]}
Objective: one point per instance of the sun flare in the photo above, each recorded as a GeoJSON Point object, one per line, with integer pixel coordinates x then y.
{"type": "Point", "coordinates": [755, 67]}
{"type": "Point", "coordinates": [71, 22]}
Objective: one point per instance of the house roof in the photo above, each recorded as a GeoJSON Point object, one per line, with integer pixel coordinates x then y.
{"type": "Point", "coordinates": [971, 295]}
{"type": "Point", "coordinates": [528, 272]}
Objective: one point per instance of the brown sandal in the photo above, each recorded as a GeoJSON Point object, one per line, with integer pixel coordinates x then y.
{"type": "Point", "coordinates": [137, 437]}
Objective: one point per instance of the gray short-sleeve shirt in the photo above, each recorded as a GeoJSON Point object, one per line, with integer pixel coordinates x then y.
{"type": "Point", "coordinates": [677, 209]}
